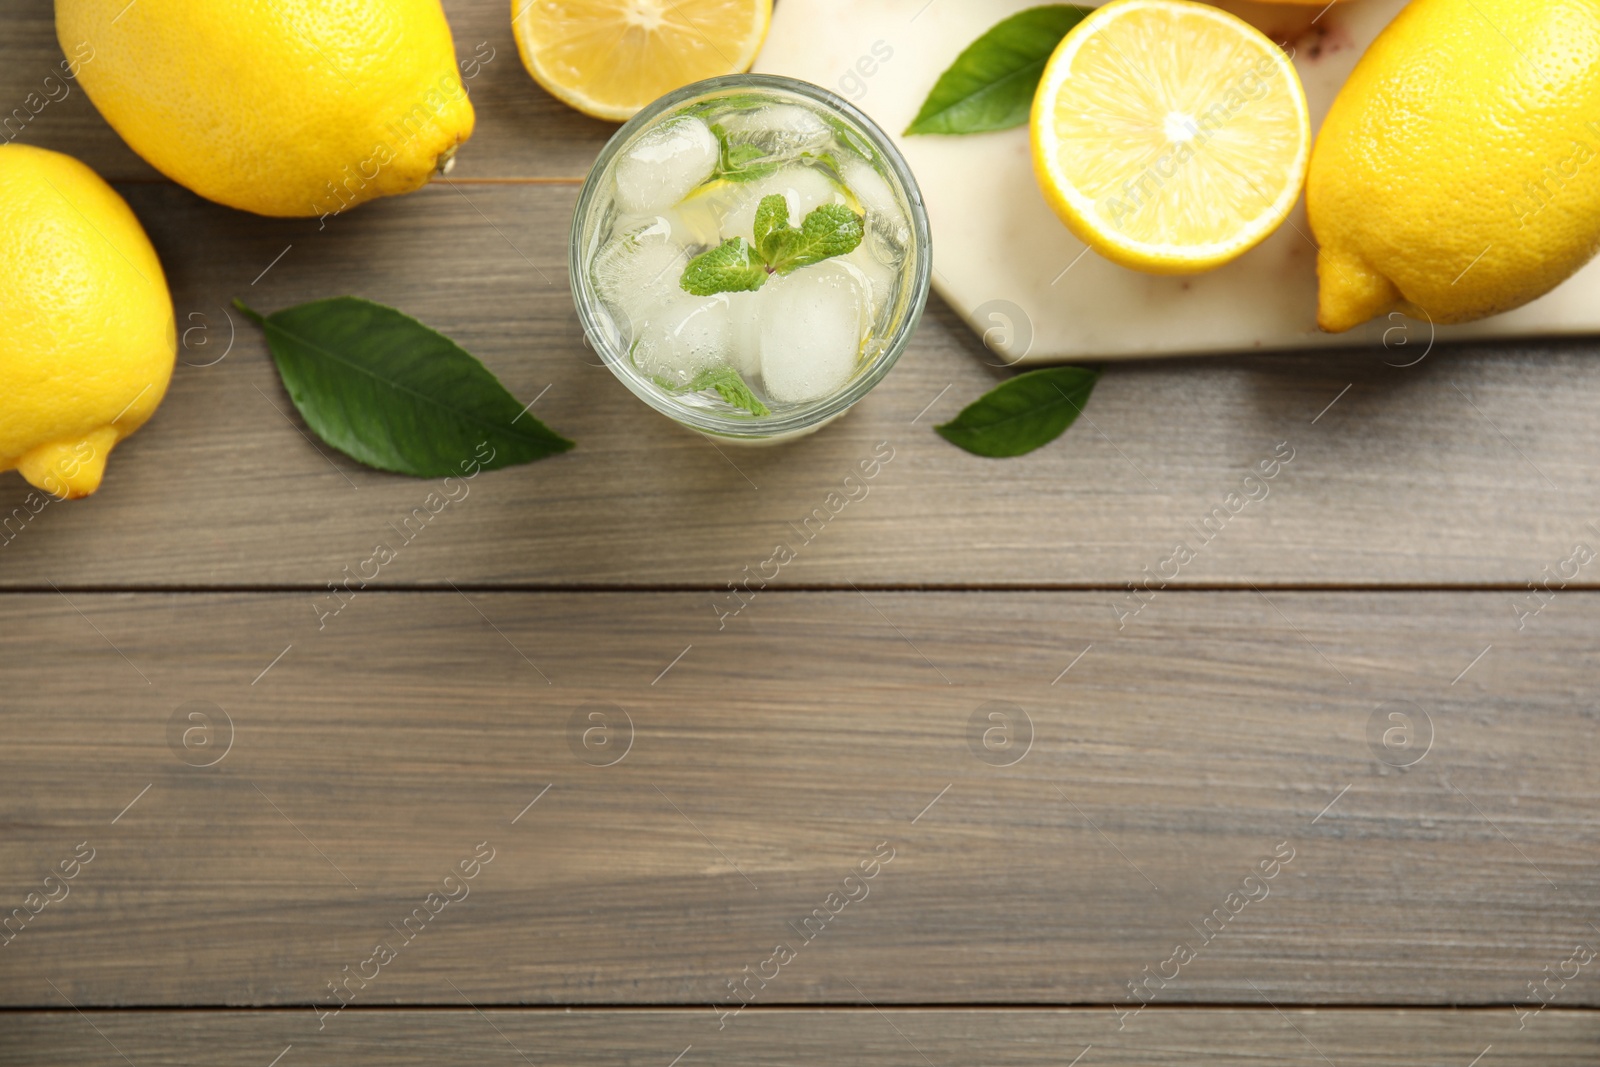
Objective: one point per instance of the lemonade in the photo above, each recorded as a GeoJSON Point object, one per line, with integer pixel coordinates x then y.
{"type": "Point", "coordinates": [750, 255]}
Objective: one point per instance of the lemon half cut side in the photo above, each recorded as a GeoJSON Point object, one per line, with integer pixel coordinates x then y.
{"type": "Point", "coordinates": [609, 58]}
{"type": "Point", "coordinates": [1170, 137]}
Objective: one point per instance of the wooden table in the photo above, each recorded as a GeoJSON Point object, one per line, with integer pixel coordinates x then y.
{"type": "Point", "coordinates": [942, 792]}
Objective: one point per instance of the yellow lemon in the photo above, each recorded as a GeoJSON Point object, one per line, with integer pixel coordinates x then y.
{"type": "Point", "coordinates": [1458, 172]}
{"type": "Point", "coordinates": [87, 338]}
{"type": "Point", "coordinates": [1170, 137]}
{"type": "Point", "coordinates": [293, 107]}
{"type": "Point", "coordinates": [609, 58]}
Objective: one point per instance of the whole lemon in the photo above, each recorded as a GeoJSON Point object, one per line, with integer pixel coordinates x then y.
{"type": "Point", "coordinates": [87, 338]}
{"type": "Point", "coordinates": [1458, 172]}
{"type": "Point", "coordinates": [281, 107]}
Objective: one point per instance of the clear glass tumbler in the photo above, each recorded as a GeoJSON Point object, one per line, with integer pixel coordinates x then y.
{"type": "Point", "coordinates": [796, 345]}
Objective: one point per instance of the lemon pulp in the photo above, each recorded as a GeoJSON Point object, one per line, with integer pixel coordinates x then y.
{"type": "Point", "coordinates": [609, 58]}
{"type": "Point", "coordinates": [1170, 136]}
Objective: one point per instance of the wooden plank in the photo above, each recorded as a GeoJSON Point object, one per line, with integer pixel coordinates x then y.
{"type": "Point", "coordinates": [1432, 474]}
{"type": "Point", "coordinates": [1175, 1038]}
{"type": "Point", "coordinates": [40, 106]}
{"type": "Point", "coordinates": [771, 760]}
{"type": "Point", "coordinates": [522, 132]}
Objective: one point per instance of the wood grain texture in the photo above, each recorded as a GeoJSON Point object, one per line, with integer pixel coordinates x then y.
{"type": "Point", "coordinates": [1475, 466]}
{"type": "Point", "coordinates": [1175, 1038]}
{"type": "Point", "coordinates": [521, 132]}
{"type": "Point", "coordinates": [767, 762]}
{"type": "Point", "coordinates": [38, 106]}
{"type": "Point", "coordinates": [270, 788]}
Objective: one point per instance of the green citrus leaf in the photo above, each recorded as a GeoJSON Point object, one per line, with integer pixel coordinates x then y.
{"type": "Point", "coordinates": [389, 392]}
{"type": "Point", "coordinates": [991, 84]}
{"type": "Point", "coordinates": [1021, 414]}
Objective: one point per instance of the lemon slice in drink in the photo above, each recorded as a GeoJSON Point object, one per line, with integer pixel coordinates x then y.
{"type": "Point", "coordinates": [609, 58]}
{"type": "Point", "coordinates": [1170, 137]}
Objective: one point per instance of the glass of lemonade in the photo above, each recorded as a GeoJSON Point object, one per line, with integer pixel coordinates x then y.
{"type": "Point", "coordinates": [750, 256]}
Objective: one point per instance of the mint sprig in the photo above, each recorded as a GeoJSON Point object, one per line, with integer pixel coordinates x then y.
{"type": "Point", "coordinates": [735, 267]}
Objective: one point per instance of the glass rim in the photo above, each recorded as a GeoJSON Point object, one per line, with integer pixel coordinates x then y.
{"type": "Point", "coordinates": [804, 417]}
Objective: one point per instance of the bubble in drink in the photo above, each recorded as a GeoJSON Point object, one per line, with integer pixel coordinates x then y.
{"type": "Point", "coordinates": [664, 165]}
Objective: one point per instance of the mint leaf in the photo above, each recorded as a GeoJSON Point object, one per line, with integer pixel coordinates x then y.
{"type": "Point", "coordinates": [771, 214]}
{"type": "Point", "coordinates": [827, 159]}
{"type": "Point", "coordinates": [830, 230]}
{"type": "Point", "coordinates": [731, 267]}
{"type": "Point", "coordinates": [991, 84]}
{"type": "Point", "coordinates": [740, 162]}
{"type": "Point", "coordinates": [731, 386]}
{"type": "Point", "coordinates": [775, 238]}
{"type": "Point", "coordinates": [1021, 414]}
{"type": "Point", "coordinates": [728, 383]}
{"type": "Point", "coordinates": [389, 392]}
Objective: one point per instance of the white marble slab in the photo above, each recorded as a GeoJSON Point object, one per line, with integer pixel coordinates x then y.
{"type": "Point", "coordinates": [1006, 264]}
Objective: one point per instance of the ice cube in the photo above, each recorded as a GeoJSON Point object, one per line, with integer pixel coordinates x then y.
{"type": "Point", "coordinates": [883, 208]}
{"type": "Point", "coordinates": [811, 327]}
{"type": "Point", "coordinates": [691, 224]}
{"type": "Point", "coordinates": [876, 277]}
{"type": "Point", "coordinates": [804, 188]}
{"type": "Point", "coordinates": [696, 222]}
{"type": "Point", "coordinates": [639, 268]}
{"type": "Point", "coordinates": [664, 166]}
{"type": "Point", "coordinates": [744, 339]}
{"type": "Point", "coordinates": [678, 338]}
{"type": "Point", "coordinates": [782, 130]}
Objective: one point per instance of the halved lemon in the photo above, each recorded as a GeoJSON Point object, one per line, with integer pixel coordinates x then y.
{"type": "Point", "coordinates": [609, 58]}
{"type": "Point", "coordinates": [1170, 137]}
